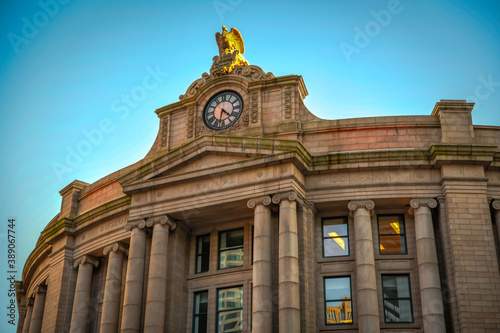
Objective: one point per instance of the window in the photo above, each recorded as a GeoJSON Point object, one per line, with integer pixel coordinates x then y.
{"type": "Point", "coordinates": [397, 299]}
{"type": "Point", "coordinates": [200, 312]}
{"type": "Point", "coordinates": [335, 237]}
{"type": "Point", "coordinates": [230, 309]}
{"type": "Point", "coordinates": [231, 248]}
{"type": "Point", "coordinates": [338, 302]}
{"type": "Point", "coordinates": [391, 230]}
{"type": "Point", "coordinates": [202, 253]}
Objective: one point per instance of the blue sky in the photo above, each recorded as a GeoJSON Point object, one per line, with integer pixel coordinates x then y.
{"type": "Point", "coordinates": [67, 71]}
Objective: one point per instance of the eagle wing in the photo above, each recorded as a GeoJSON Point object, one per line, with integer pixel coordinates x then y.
{"type": "Point", "coordinates": [220, 43]}
{"type": "Point", "coordinates": [235, 40]}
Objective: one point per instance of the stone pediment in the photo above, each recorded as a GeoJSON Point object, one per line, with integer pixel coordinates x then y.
{"type": "Point", "coordinates": [210, 152]}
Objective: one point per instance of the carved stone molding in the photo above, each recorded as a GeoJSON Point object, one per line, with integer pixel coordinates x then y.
{"type": "Point", "coordinates": [290, 196]}
{"type": "Point", "coordinates": [288, 102]}
{"type": "Point", "coordinates": [164, 130]}
{"type": "Point", "coordinates": [86, 259]}
{"type": "Point", "coordinates": [190, 124]}
{"type": "Point", "coordinates": [115, 247]}
{"type": "Point", "coordinates": [163, 219]}
{"type": "Point", "coordinates": [368, 204]}
{"type": "Point", "coordinates": [496, 204]}
{"type": "Point", "coordinates": [254, 107]}
{"type": "Point", "coordinates": [252, 203]}
{"type": "Point", "coordinates": [249, 73]}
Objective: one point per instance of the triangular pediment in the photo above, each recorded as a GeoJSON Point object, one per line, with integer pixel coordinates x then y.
{"type": "Point", "coordinates": [210, 152]}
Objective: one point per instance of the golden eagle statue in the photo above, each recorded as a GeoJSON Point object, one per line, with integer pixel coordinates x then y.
{"type": "Point", "coordinates": [231, 48]}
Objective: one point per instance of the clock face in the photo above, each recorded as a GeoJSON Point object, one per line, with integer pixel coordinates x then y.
{"type": "Point", "coordinates": [223, 110]}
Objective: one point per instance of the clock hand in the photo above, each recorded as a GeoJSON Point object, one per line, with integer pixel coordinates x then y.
{"type": "Point", "coordinates": [225, 112]}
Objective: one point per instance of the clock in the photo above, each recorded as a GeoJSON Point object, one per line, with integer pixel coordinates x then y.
{"type": "Point", "coordinates": [223, 110]}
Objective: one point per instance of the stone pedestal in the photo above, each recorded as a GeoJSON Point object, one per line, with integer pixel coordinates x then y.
{"type": "Point", "coordinates": [29, 313]}
{"type": "Point", "coordinates": [428, 269]}
{"type": "Point", "coordinates": [132, 302]}
{"type": "Point", "coordinates": [289, 291]}
{"type": "Point", "coordinates": [157, 279]}
{"type": "Point", "coordinates": [112, 290]}
{"type": "Point", "coordinates": [79, 316]}
{"type": "Point", "coordinates": [262, 292]}
{"type": "Point", "coordinates": [366, 281]}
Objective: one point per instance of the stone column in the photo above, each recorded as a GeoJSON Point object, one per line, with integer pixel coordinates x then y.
{"type": "Point", "coordinates": [366, 280]}
{"type": "Point", "coordinates": [262, 291]}
{"type": "Point", "coordinates": [289, 291]}
{"type": "Point", "coordinates": [37, 315]}
{"type": "Point", "coordinates": [81, 302]}
{"type": "Point", "coordinates": [428, 269]}
{"type": "Point", "coordinates": [132, 302]}
{"type": "Point", "coordinates": [496, 207]}
{"type": "Point", "coordinates": [29, 313]}
{"type": "Point", "coordinates": [157, 279]}
{"type": "Point", "coordinates": [113, 287]}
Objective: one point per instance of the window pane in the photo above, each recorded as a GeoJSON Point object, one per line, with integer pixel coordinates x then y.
{"type": "Point", "coordinates": [230, 298]}
{"type": "Point", "coordinates": [398, 311]}
{"type": "Point", "coordinates": [338, 312]}
{"type": "Point", "coordinates": [334, 228]}
{"type": "Point", "coordinates": [231, 258]}
{"type": "Point", "coordinates": [392, 244]}
{"type": "Point", "coordinates": [230, 321]}
{"type": "Point", "coordinates": [337, 288]}
{"type": "Point", "coordinates": [200, 324]}
{"type": "Point", "coordinates": [203, 253]}
{"type": "Point", "coordinates": [231, 239]}
{"type": "Point", "coordinates": [338, 246]}
{"type": "Point", "coordinates": [201, 302]}
{"type": "Point", "coordinates": [390, 225]}
{"type": "Point", "coordinates": [396, 286]}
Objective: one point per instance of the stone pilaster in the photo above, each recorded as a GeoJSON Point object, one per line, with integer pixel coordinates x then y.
{"type": "Point", "coordinates": [38, 307]}
{"type": "Point", "coordinates": [79, 317]}
{"type": "Point", "coordinates": [428, 269]}
{"type": "Point", "coordinates": [28, 315]}
{"type": "Point", "coordinates": [496, 208]}
{"type": "Point", "coordinates": [289, 290]}
{"type": "Point", "coordinates": [132, 302]}
{"type": "Point", "coordinates": [113, 287]}
{"type": "Point", "coordinates": [157, 279]}
{"type": "Point", "coordinates": [366, 281]}
{"type": "Point", "coordinates": [262, 292]}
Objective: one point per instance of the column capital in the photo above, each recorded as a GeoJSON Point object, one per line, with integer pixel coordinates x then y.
{"type": "Point", "coordinates": [423, 202]}
{"type": "Point", "coordinates": [31, 301]}
{"type": "Point", "coordinates": [86, 259]}
{"type": "Point", "coordinates": [265, 200]}
{"type": "Point", "coordinates": [290, 196]}
{"type": "Point", "coordinates": [496, 204]}
{"type": "Point", "coordinates": [115, 247]}
{"type": "Point", "coordinates": [41, 289]}
{"type": "Point", "coordinates": [162, 219]}
{"type": "Point", "coordinates": [355, 204]}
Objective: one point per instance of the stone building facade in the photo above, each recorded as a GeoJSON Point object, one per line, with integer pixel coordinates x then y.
{"type": "Point", "coordinates": [266, 218]}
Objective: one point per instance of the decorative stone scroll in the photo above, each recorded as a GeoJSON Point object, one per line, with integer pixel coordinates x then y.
{"type": "Point", "coordinates": [86, 259]}
{"type": "Point", "coordinates": [290, 196]}
{"type": "Point", "coordinates": [418, 202]}
{"type": "Point", "coordinates": [115, 247]}
{"type": "Point", "coordinates": [163, 219]}
{"type": "Point", "coordinates": [248, 73]}
{"type": "Point", "coordinates": [496, 204]}
{"type": "Point", "coordinates": [252, 203]}
{"type": "Point", "coordinates": [368, 204]}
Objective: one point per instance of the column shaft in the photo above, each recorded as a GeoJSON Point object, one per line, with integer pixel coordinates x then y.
{"type": "Point", "coordinates": [289, 292]}
{"type": "Point", "coordinates": [262, 271]}
{"type": "Point", "coordinates": [37, 315]}
{"type": "Point", "coordinates": [428, 272]}
{"type": "Point", "coordinates": [157, 280]}
{"type": "Point", "coordinates": [79, 316]}
{"type": "Point", "coordinates": [112, 293]}
{"type": "Point", "coordinates": [131, 316]}
{"type": "Point", "coordinates": [366, 281]}
{"type": "Point", "coordinates": [27, 319]}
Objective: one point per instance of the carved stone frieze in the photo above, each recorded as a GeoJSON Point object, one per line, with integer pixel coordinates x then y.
{"type": "Point", "coordinates": [248, 73]}
{"type": "Point", "coordinates": [164, 131]}
{"type": "Point", "coordinates": [190, 124]}
{"type": "Point", "coordinates": [288, 101]}
{"type": "Point", "coordinates": [254, 107]}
